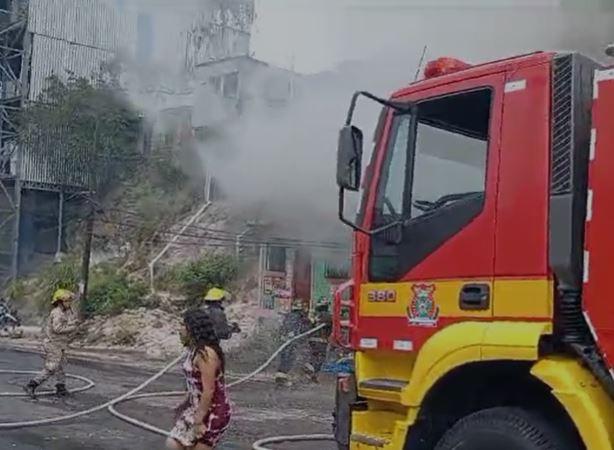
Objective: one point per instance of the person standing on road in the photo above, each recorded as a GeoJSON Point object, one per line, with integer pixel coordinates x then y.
{"type": "Point", "coordinates": [319, 343]}
{"type": "Point", "coordinates": [204, 416]}
{"type": "Point", "coordinates": [58, 333]}
{"type": "Point", "coordinates": [294, 323]}
{"type": "Point", "coordinates": [214, 305]}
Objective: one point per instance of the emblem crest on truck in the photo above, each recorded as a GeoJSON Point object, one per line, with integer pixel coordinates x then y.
{"type": "Point", "coordinates": [422, 309]}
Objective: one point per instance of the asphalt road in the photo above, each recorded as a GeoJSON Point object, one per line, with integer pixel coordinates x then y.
{"type": "Point", "coordinates": [260, 410]}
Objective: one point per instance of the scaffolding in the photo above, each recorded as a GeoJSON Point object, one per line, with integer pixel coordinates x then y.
{"type": "Point", "coordinates": [14, 55]}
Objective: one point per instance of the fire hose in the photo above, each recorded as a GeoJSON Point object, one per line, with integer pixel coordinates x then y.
{"type": "Point", "coordinates": [133, 395]}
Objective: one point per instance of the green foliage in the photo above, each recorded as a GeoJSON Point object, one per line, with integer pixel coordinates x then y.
{"type": "Point", "coordinates": [61, 275]}
{"type": "Point", "coordinates": [157, 208]}
{"type": "Point", "coordinates": [85, 130]}
{"type": "Point", "coordinates": [111, 292]}
{"type": "Point", "coordinates": [194, 278]}
{"type": "Point", "coordinates": [16, 290]}
{"type": "Point", "coordinates": [164, 171]}
{"type": "Point", "coordinates": [161, 194]}
{"type": "Point", "coordinates": [34, 295]}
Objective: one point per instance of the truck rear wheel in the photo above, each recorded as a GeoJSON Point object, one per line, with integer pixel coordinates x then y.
{"type": "Point", "coordinates": [506, 429]}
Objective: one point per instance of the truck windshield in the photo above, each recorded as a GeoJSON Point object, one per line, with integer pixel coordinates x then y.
{"type": "Point", "coordinates": [447, 166]}
{"type": "Point", "coordinates": [433, 179]}
{"type": "Point", "coordinates": [447, 161]}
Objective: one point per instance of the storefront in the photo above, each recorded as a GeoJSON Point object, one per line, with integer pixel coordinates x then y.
{"type": "Point", "coordinates": [306, 274]}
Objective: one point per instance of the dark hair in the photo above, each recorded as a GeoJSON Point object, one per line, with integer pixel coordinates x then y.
{"type": "Point", "coordinates": [202, 332]}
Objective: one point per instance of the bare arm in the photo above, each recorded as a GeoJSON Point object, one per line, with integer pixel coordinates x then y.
{"type": "Point", "coordinates": [208, 363]}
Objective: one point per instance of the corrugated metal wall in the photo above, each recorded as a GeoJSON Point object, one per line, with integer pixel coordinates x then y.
{"type": "Point", "coordinates": [68, 36]}
{"type": "Point", "coordinates": [85, 22]}
{"type": "Point", "coordinates": [46, 160]}
{"type": "Point", "coordinates": [56, 57]}
{"type": "Point", "coordinates": [74, 36]}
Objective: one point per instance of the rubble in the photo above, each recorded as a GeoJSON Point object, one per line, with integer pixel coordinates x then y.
{"type": "Point", "coordinates": [153, 331]}
{"type": "Point", "coordinates": [156, 331]}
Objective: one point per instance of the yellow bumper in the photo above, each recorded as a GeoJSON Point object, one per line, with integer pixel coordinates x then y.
{"type": "Point", "coordinates": [385, 424]}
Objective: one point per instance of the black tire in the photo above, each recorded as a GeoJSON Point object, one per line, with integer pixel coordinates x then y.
{"type": "Point", "coordinates": [506, 429]}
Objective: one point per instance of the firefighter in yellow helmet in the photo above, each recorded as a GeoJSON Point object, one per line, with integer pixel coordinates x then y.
{"type": "Point", "coordinates": [59, 330]}
{"type": "Point", "coordinates": [214, 305]}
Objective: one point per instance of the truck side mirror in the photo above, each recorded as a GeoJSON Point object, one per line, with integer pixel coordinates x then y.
{"type": "Point", "coordinates": [349, 158]}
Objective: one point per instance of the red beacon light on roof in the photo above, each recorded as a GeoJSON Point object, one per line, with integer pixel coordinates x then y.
{"type": "Point", "coordinates": [444, 66]}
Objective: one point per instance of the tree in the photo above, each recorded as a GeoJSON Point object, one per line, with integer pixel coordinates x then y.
{"type": "Point", "coordinates": [81, 132]}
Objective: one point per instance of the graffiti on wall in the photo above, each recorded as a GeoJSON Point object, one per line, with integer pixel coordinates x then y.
{"type": "Point", "coordinates": [275, 292]}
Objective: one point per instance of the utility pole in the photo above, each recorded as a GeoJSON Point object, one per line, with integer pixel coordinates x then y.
{"type": "Point", "coordinates": [60, 235]}
{"type": "Point", "coordinates": [89, 231]}
{"type": "Point", "coordinates": [87, 252]}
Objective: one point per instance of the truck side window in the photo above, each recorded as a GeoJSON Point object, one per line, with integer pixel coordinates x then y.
{"type": "Point", "coordinates": [438, 186]}
{"type": "Point", "coordinates": [367, 175]}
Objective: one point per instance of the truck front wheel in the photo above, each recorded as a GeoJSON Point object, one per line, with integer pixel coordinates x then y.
{"type": "Point", "coordinates": [506, 429]}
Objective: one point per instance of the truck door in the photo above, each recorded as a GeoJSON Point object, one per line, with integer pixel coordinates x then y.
{"type": "Point", "coordinates": [439, 173]}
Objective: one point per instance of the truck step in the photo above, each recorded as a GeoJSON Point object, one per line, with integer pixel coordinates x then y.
{"type": "Point", "coordinates": [369, 440]}
{"type": "Point", "coordinates": [384, 384]}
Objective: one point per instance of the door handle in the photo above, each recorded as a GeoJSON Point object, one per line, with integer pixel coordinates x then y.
{"type": "Point", "coordinates": [475, 297]}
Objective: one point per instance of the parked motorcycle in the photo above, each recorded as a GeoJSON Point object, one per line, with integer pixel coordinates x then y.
{"type": "Point", "coordinates": [9, 319]}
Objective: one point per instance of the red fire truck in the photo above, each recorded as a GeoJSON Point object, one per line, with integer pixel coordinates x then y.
{"type": "Point", "coordinates": [478, 313]}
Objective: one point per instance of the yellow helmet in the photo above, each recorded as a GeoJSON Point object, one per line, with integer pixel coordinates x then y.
{"type": "Point", "coordinates": [215, 295]}
{"type": "Point", "coordinates": [63, 295]}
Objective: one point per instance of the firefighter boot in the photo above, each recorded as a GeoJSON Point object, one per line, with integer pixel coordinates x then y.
{"type": "Point", "coordinates": [311, 373]}
{"type": "Point", "coordinates": [61, 391]}
{"type": "Point", "coordinates": [30, 389]}
{"type": "Point", "coordinates": [309, 369]}
{"type": "Point", "coordinates": [282, 380]}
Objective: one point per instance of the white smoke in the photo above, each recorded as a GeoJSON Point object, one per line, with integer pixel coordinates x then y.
{"type": "Point", "coordinates": [282, 161]}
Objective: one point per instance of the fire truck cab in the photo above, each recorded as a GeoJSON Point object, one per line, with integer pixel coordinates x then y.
{"type": "Point", "coordinates": [478, 312]}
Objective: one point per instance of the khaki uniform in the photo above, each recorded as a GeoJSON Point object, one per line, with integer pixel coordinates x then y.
{"type": "Point", "coordinates": [59, 329]}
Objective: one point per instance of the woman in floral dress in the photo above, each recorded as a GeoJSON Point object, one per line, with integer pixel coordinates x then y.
{"type": "Point", "coordinates": [204, 416]}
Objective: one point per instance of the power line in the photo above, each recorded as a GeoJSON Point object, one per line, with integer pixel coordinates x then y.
{"type": "Point", "coordinates": [196, 227]}
{"type": "Point", "coordinates": [244, 240]}
{"type": "Point", "coordinates": [211, 235]}
{"type": "Point", "coordinates": [205, 245]}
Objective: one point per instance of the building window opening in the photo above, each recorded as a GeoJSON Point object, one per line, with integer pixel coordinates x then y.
{"type": "Point", "coordinates": [276, 259]}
